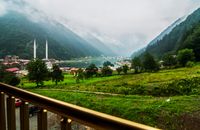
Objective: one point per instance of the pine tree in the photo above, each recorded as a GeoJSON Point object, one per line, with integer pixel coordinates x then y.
{"type": "Point", "coordinates": [57, 75]}
{"type": "Point", "coordinates": [149, 63]}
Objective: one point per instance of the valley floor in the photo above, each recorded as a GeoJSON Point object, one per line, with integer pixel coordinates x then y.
{"type": "Point", "coordinates": [168, 99]}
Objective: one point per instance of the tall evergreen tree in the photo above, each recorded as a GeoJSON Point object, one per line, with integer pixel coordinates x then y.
{"type": "Point", "coordinates": [149, 63]}
{"type": "Point", "coordinates": [91, 70]}
{"type": "Point", "coordinates": [125, 69]}
{"type": "Point", "coordinates": [57, 75]}
{"type": "Point", "coordinates": [136, 64]}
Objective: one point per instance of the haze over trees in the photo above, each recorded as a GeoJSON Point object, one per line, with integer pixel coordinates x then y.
{"type": "Point", "coordinates": [18, 32]}
{"type": "Point", "coordinates": [182, 36]}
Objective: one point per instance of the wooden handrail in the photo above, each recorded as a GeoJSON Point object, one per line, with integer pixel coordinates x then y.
{"type": "Point", "coordinates": [82, 115]}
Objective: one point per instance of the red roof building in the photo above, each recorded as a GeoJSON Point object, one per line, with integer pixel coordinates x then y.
{"type": "Point", "coordinates": [12, 69]}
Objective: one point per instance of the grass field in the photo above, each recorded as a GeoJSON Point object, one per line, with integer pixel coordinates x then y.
{"type": "Point", "coordinates": [144, 109]}
{"type": "Point", "coordinates": [132, 96]}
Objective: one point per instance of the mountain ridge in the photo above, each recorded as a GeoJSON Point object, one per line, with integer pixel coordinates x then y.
{"type": "Point", "coordinates": [160, 36]}
{"type": "Point", "coordinates": [17, 29]}
{"type": "Point", "coordinates": [173, 41]}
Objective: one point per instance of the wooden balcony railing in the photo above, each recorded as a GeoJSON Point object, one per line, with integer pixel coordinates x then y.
{"type": "Point", "coordinates": [68, 112]}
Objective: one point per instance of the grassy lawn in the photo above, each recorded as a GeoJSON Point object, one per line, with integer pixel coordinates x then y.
{"type": "Point", "coordinates": [154, 111]}
{"type": "Point", "coordinates": [69, 80]}
{"type": "Point", "coordinates": [131, 96]}
{"type": "Point", "coordinates": [121, 84]}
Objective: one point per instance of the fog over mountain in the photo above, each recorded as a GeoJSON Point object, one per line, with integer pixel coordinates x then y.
{"type": "Point", "coordinates": [122, 25]}
{"type": "Point", "coordinates": [21, 23]}
{"type": "Point", "coordinates": [160, 37]}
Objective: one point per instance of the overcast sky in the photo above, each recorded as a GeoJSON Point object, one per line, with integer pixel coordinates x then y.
{"type": "Point", "coordinates": [130, 23]}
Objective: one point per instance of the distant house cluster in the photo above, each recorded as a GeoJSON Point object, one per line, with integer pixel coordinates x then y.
{"type": "Point", "coordinates": [15, 65]}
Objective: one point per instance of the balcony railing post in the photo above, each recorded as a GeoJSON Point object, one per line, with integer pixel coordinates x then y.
{"type": "Point", "coordinates": [65, 124]}
{"type": "Point", "coordinates": [91, 118]}
{"type": "Point", "coordinates": [42, 119]}
{"type": "Point", "coordinates": [11, 117]}
{"type": "Point", "coordinates": [24, 116]}
{"type": "Point", "coordinates": [2, 111]}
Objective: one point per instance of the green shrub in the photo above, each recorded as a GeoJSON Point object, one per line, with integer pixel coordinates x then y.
{"type": "Point", "coordinates": [106, 71]}
{"type": "Point", "coordinates": [124, 90]}
{"type": "Point", "coordinates": [178, 87]}
{"type": "Point", "coordinates": [185, 55]}
{"type": "Point", "coordinates": [138, 89]}
{"type": "Point", "coordinates": [189, 64]}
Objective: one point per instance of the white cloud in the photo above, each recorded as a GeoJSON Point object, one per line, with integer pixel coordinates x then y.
{"type": "Point", "coordinates": [133, 23]}
{"type": "Point", "coordinates": [2, 8]}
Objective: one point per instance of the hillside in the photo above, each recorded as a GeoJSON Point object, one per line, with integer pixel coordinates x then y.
{"type": "Point", "coordinates": [160, 36]}
{"type": "Point", "coordinates": [18, 31]}
{"type": "Point", "coordinates": [175, 39]}
{"type": "Point", "coordinates": [192, 41]}
{"type": "Point", "coordinates": [167, 31]}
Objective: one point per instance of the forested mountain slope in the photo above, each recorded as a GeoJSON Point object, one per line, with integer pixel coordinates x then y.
{"type": "Point", "coordinates": [183, 35]}
{"type": "Point", "coordinates": [17, 33]}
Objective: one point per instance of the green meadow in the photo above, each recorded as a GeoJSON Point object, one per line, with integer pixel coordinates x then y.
{"type": "Point", "coordinates": [167, 99]}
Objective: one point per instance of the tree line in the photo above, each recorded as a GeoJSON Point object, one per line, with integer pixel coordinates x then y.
{"type": "Point", "coordinates": [93, 71]}
{"type": "Point", "coordinates": [38, 72]}
{"type": "Point", "coordinates": [184, 58]}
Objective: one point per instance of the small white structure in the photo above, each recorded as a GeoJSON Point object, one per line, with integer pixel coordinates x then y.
{"type": "Point", "coordinates": [49, 65]}
{"type": "Point", "coordinates": [46, 50]}
{"type": "Point", "coordinates": [49, 62]}
{"type": "Point", "coordinates": [34, 49]}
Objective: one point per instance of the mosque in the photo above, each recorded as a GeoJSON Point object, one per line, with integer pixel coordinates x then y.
{"type": "Point", "coordinates": [49, 62]}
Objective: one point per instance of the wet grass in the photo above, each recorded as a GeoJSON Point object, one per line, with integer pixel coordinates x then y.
{"type": "Point", "coordinates": [144, 107]}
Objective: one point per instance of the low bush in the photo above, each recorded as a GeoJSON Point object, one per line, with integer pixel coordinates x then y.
{"type": "Point", "coordinates": [178, 87]}
{"type": "Point", "coordinates": [189, 64]}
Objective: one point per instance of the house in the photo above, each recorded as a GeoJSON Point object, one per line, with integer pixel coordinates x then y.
{"type": "Point", "coordinates": [13, 70]}
{"type": "Point", "coordinates": [9, 59]}
{"type": "Point", "coordinates": [73, 71]}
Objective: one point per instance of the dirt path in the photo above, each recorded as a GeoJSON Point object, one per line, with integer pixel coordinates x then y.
{"type": "Point", "coordinates": [78, 91]}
